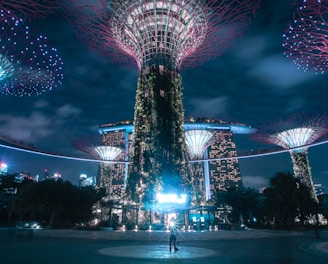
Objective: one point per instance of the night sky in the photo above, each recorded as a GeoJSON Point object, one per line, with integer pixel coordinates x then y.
{"type": "Point", "coordinates": [252, 83]}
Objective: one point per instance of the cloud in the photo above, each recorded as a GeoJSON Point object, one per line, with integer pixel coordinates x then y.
{"type": "Point", "coordinates": [36, 125]}
{"type": "Point", "coordinates": [26, 128]}
{"type": "Point", "coordinates": [68, 110]}
{"type": "Point", "coordinates": [41, 104]}
{"type": "Point", "coordinates": [279, 73]}
{"type": "Point", "coordinates": [261, 56]}
{"type": "Point", "coordinates": [208, 107]}
{"type": "Point", "coordinates": [295, 104]}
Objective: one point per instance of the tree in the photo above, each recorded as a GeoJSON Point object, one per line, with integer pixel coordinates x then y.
{"type": "Point", "coordinates": [287, 199]}
{"type": "Point", "coordinates": [56, 203]}
{"type": "Point", "coordinates": [246, 203]}
{"type": "Point", "coordinates": [323, 204]}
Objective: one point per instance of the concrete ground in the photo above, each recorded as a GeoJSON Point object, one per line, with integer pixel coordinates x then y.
{"type": "Point", "coordinates": [223, 246]}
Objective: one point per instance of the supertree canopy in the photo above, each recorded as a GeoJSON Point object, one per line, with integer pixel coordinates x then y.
{"type": "Point", "coordinates": [298, 139]}
{"type": "Point", "coordinates": [102, 152]}
{"type": "Point", "coordinates": [107, 152]}
{"type": "Point", "coordinates": [31, 9]}
{"type": "Point", "coordinates": [27, 64]}
{"type": "Point", "coordinates": [160, 36]}
{"type": "Point", "coordinates": [305, 40]}
{"type": "Point", "coordinates": [197, 141]}
{"type": "Point", "coordinates": [176, 33]}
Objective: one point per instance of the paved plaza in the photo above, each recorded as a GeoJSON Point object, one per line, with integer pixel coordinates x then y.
{"type": "Point", "coordinates": [224, 246]}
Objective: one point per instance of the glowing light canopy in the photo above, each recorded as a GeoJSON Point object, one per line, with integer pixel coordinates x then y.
{"type": "Point", "coordinates": [27, 64]}
{"type": "Point", "coordinates": [305, 40]}
{"type": "Point", "coordinates": [197, 142]}
{"type": "Point", "coordinates": [150, 27]}
{"type": "Point", "coordinates": [108, 152]}
{"type": "Point", "coordinates": [172, 32]}
{"type": "Point", "coordinates": [296, 137]}
{"type": "Point", "coordinates": [30, 8]}
{"type": "Point", "coordinates": [294, 132]}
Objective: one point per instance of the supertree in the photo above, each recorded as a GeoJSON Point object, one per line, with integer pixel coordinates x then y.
{"type": "Point", "coordinates": [107, 154]}
{"type": "Point", "coordinates": [31, 9]}
{"type": "Point", "coordinates": [209, 138]}
{"type": "Point", "coordinates": [160, 37]}
{"type": "Point", "coordinates": [305, 41]}
{"type": "Point", "coordinates": [296, 135]}
{"type": "Point", "coordinates": [197, 141]}
{"type": "Point", "coordinates": [27, 64]}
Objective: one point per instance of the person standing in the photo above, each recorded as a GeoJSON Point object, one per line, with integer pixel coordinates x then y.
{"type": "Point", "coordinates": [173, 235]}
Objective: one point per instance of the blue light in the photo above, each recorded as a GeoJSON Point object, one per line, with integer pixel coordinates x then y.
{"type": "Point", "coordinates": [171, 198]}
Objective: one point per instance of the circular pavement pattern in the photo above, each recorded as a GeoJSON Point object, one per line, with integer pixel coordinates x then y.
{"type": "Point", "coordinates": [157, 252]}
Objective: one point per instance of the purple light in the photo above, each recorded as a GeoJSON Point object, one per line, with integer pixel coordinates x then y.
{"type": "Point", "coordinates": [294, 132]}
{"type": "Point", "coordinates": [177, 32]}
{"type": "Point", "coordinates": [27, 64]}
{"type": "Point", "coordinates": [160, 36]}
{"type": "Point", "coordinates": [102, 152]}
{"type": "Point", "coordinates": [305, 41]}
{"type": "Point", "coordinates": [30, 8]}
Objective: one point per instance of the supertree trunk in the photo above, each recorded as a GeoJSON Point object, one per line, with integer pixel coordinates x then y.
{"type": "Point", "coordinates": [302, 171]}
{"type": "Point", "coordinates": [159, 157]}
{"type": "Point", "coordinates": [105, 181]}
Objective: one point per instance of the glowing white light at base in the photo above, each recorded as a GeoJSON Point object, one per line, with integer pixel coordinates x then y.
{"type": "Point", "coordinates": [172, 224]}
{"type": "Point", "coordinates": [171, 198]}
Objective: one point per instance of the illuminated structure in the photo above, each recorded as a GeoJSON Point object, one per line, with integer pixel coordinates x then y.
{"type": "Point", "coordinates": [3, 168]}
{"type": "Point", "coordinates": [305, 41]}
{"type": "Point", "coordinates": [27, 64]}
{"type": "Point", "coordinates": [160, 36]}
{"type": "Point", "coordinates": [106, 175]}
{"type": "Point", "coordinates": [216, 141]}
{"type": "Point", "coordinates": [297, 138]}
{"type": "Point", "coordinates": [210, 175]}
{"type": "Point", "coordinates": [104, 152]}
{"type": "Point", "coordinates": [84, 180]}
{"type": "Point", "coordinates": [197, 141]}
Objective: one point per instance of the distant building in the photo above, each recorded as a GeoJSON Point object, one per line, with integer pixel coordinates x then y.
{"type": "Point", "coordinates": [24, 176]}
{"type": "Point", "coordinates": [3, 168]}
{"type": "Point", "coordinates": [319, 190]}
{"type": "Point", "coordinates": [216, 175]}
{"type": "Point", "coordinates": [84, 181]}
{"type": "Point", "coordinates": [48, 176]}
{"type": "Point", "coordinates": [116, 135]}
{"type": "Point", "coordinates": [206, 139]}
